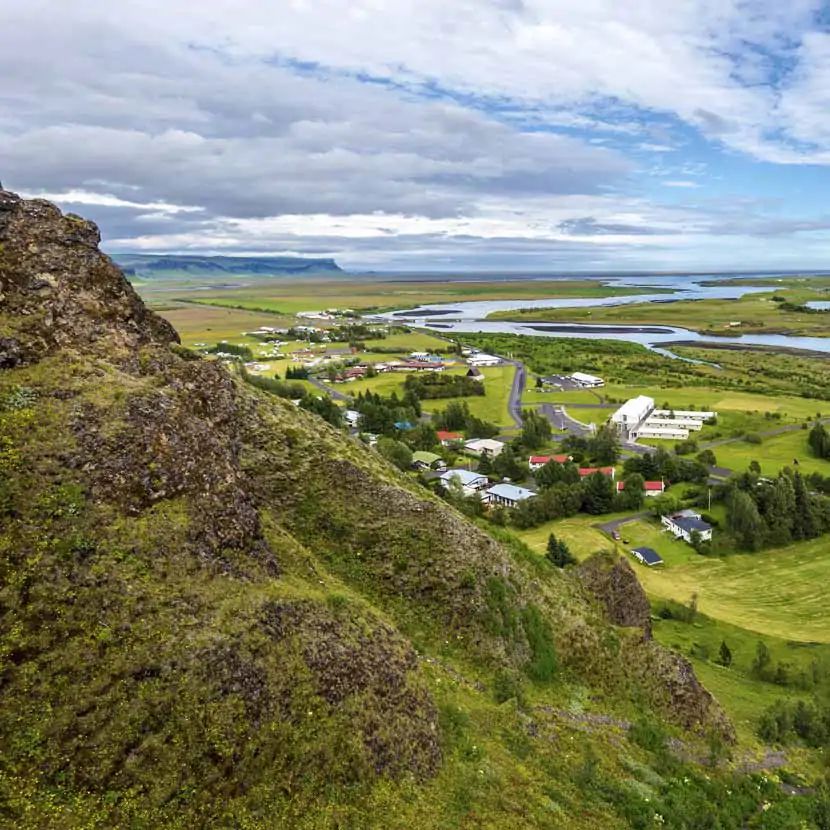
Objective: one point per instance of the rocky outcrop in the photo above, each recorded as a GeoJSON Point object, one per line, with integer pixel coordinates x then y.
{"type": "Point", "coordinates": [57, 290]}
{"type": "Point", "coordinates": [611, 579]}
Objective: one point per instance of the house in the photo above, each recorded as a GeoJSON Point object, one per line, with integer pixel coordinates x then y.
{"type": "Point", "coordinates": [352, 417]}
{"type": "Point", "coordinates": [480, 446]}
{"type": "Point", "coordinates": [652, 488]}
{"type": "Point", "coordinates": [403, 426]}
{"type": "Point", "coordinates": [475, 373]}
{"type": "Point", "coordinates": [449, 439]}
{"type": "Point", "coordinates": [471, 482]}
{"type": "Point", "coordinates": [536, 462]}
{"type": "Point", "coordinates": [606, 471]}
{"type": "Point", "coordinates": [427, 461]}
{"type": "Point", "coordinates": [648, 556]}
{"type": "Point", "coordinates": [507, 495]}
{"type": "Point", "coordinates": [686, 522]}
{"type": "Point", "coordinates": [588, 381]}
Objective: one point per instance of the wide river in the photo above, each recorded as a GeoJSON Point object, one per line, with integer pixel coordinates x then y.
{"type": "Point", "coordinates": [471, 316]}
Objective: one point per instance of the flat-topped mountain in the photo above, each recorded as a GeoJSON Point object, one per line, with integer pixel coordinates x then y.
{"type": "Point", "coordinates": [148, 266]}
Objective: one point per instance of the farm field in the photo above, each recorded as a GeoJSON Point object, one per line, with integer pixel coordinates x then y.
{"type": "Point", "coordinates": [754, 313]}
{"type": "Point", "coordinates": [289, 296]}
{"type": "Point", "coordinates": [204, 324]}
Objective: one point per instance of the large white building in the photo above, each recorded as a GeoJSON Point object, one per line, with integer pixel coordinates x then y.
{"type": "Point", "coordinates": [588, 381]}
{"type": "Point", "coordinates": [632, 414]}
{"type": "Point", "coordinates": [638, 418]}
{"type": "Point", "coordinates": [483, 360]}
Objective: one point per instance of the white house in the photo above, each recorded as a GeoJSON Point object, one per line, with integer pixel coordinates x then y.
{"type": "Point", "coordinates": [632, 414]}
{"type": "Point", "coordinates": [480, 446]}
{"type": "Point", "coordinates": [686, 522]}
{"type": "Point", "coordinates": [507, 495]}
{"type": "Point", "coordinates": [588, 381]}
{"type": "Point", "coordinates": [471, 482]}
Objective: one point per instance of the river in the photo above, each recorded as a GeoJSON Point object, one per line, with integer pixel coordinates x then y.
{"type": "Point", "coordinates": [471, 316]}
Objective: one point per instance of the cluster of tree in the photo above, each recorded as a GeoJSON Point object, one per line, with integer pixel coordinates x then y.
{"type": "Point", "coordinates": [296, 373]}
{"type": "Point", "coordinates": [686, 447]}
{"type": "Point", "coordinates": [457, 418]}
{"type": "Point", "coordinates": [667, 467]}
{"type": "Point", "coordinates": [602, 448]}
{"type": "Point", "coordinates": [594, 494]}
{"type": "Point", "coordinates": [397, 452]}
{"type": "Point", "coordinates": [431, 385]}
{"type": "Point", "coordinates": [355, 333]}
{"type": "Point", "coordinates": [242, 352]}
{"type": "Point", "coordinates": [798, 308]}
{"type": "Point", "coordinates": [536, 430]}
{"type": "Point", "coordinates": [379, 415]}
{"type": "Point", "coordinates": [820, 441]}
{"type": "Point", "coordinates": [787, 720]}
{"type": "Point", "coordinates": [325, 407]}
{"type": "Point", "coordinates": [763, 512]}
{"type": "Point", "coordinates": [558, 552]}
{"type": "Point", "coordinates": [504, 465]}
{"type": "Point", "coordinates": [281, 388]}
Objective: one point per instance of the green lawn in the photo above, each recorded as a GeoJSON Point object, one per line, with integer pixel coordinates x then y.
{"type": "Point", "coordinates": [407, 342]}
{"type": "Point", "coordinates": [203, 324]}
{"type": "Point", "coordinates": [773, 454]}
{"type": "Point", "coordinates": [498, 381]}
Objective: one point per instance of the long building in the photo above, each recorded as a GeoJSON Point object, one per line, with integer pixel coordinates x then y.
{"type": "Point", "coordinates": [638, 418]}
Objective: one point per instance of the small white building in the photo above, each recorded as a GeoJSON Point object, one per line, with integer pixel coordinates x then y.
{"type": "Point", "coordinates": [675, 423]}
{"type": "Point", "coordinates": [670, 433]}
{"type": "Point", "coordinates": [686, 522]}
{"type": "Point", "coordinates": [684, 414]}
{"type": "Point", "coordinates": [480, 446]}
{"type": "Point", "coordinates": [507, 495]}
{"type": "Point", "coordinates": [352, 417]}
{"type": "Point", "coordinates": [588, 381]}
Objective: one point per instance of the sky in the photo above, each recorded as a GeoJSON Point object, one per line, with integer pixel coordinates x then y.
{"type": "Point", "coordinates": [510, 135]}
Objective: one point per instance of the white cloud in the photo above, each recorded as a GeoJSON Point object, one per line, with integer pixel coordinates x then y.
{"type": "Point", "coordinates": [680, 183]}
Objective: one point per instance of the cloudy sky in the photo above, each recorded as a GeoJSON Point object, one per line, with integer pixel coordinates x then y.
{"type": "Point", "coordinates": [430, 134]}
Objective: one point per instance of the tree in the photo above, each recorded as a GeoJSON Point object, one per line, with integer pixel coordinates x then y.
{"type": "Point", "coordinates": [665, 504]}
{"type": "Point", "coordinates": [325, 407]}
{"type": "Point", "coordinates": [536, 430]}
{"type": "Point", "coordinates": [760, 668]}
{"type": "Point", "coordinates": [423, 437]}
{"type": "Point", "coordinates": [708, 458]}
{"type": "Point", "coordinates": [395, 451]}
{"type": "Point", "coordinates": [819, 441]}
{"type": "Point", "coordinates": [555, 473]}
{"type": "Point", "coordinates": [558, 552]}
{"type": "Point", "coordinates": [745, 521]}
{"type": "Point", "coordinates": [604, 447]}
{"type": "Point", "coordinates": [803, 519]}
{"type": "Point", "coordinates": [633, 493]}
{"type": "Point", "coordinates": [506, 465]}
{"type": "Point", "coordinates": [724, 655]}
{"type": "Point", "coordinates": [755, 467]}
{"type": "Point", "coordinates": [598, 494]}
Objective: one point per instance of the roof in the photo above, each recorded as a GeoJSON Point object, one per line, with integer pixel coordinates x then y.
{"type": "Point", "coordinates": [586, 378]}
{"type": "Point", "coordinates": [485, 443]}
{"type": "Point", "coordinates": [466, 477]}
{"type": "Point", "coordinates": [543, 459]}
{"type": "Point", "coordinates": [648, 555]}
{"type": "Point", "coordinates": [448, 436]}
{"type": "Point", "coordinates": [475, 372]}
{"type": "Point", "coordinates": [587, 471]}
{"type": "Point", "coordinates": [403, 425]}
{"type": "Point", "coordinates": [690, 525]}
{"type": "Point", "coordinates": [633, 410]}
{"type": "Point", "coordinates": [650, 486]}
{"type": "Point", "coordinates": [425, 457]}
{"type": "Point", "coordinates": [511, 492]}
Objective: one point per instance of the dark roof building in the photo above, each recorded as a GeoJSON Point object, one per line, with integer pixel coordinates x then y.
{"type": "Point", "coordinates": [648, 556]}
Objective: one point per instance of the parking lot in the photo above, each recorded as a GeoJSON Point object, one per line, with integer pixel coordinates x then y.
{"type": "Point", "coordinates": [562, 383]}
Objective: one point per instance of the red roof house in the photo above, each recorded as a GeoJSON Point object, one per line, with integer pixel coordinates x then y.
{"type": "Point", "coordinates": [606, 471]}
{"type": "Point", "coordinates": [652, 488]}
{"type": "Point", "coordinates": [537, 461]}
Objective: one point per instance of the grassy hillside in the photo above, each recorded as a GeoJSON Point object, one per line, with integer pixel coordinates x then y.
{"type": "Point", "coordinates": [217, 611]}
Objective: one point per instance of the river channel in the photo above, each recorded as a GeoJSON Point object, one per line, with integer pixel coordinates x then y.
{"type": "Point", "coordinates": [471, 317]}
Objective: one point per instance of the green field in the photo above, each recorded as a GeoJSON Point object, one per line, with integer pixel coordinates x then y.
{"type": "Point", "coordinates": [203, 324]}
{"type": "Point", "coordinates": [752, 313]}
{"type": "Point", "coordinates": [492, 407]}
{"type": "Point", "coordinates": [289, 296]}
{"type": "Point", "coordinates": [773, 454]}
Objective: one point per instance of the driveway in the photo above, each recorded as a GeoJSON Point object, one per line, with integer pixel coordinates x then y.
{"type": "Point", "coordinates": [610, 527]}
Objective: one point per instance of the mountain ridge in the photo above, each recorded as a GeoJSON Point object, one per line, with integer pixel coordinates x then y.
{"type": "Point", "coordinates": [149, 266]}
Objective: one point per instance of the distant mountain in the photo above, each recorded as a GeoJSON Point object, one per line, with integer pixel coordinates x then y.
{"type": "Point", "coordinates": [150, 265]}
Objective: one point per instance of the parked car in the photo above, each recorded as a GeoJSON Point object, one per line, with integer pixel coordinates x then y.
{"type": "Point", "coordinates": [615, 535]}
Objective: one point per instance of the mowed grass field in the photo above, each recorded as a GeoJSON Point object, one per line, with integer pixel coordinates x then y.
{"type": "Point", "coordinates": [781, 591]}
{"type": "Point", "coordinates": [773, 455]}
{"type": "Point", "coordinates": [492, 407]}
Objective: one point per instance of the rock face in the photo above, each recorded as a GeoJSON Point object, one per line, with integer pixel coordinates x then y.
{"type": "Point", "coordinates": [61, 290]}
{"type": "Point", "coordinates": [612, 580]}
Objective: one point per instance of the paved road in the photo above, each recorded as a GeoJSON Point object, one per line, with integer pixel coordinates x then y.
{"type": "Point", "coordinates": [330, 389]}
{"type": "Point", "coordinates": [560, 419]}
{"type": "Point", "coordinates": [514, 404]}
{"type": "Point", "coordinates": [610, 527]}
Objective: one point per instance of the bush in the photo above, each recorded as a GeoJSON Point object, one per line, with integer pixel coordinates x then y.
{"type": "Point", "coordinates": [753, 438]}
{"type": "Point", "coordinates": [647, 735]}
